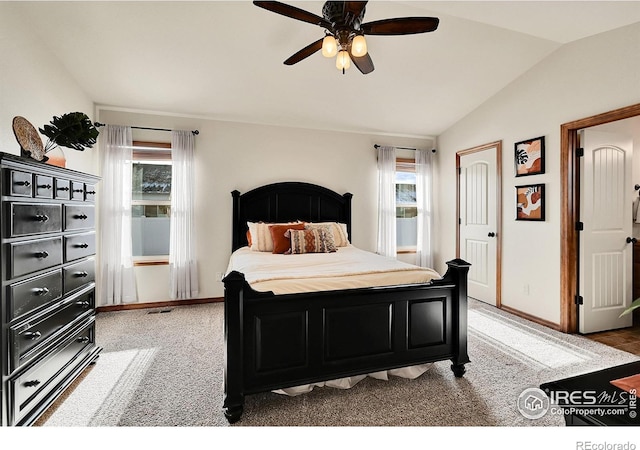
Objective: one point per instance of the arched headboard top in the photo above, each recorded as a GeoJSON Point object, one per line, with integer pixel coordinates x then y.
{"type": "Point", "coordinates": [285, 202]}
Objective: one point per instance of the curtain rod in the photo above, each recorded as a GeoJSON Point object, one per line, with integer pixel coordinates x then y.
{"type": "Point", "coordinates": [98, 124]}
{"type": "Point", "coordinates": [433, 150]}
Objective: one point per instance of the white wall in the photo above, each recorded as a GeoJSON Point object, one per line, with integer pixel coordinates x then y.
{"type": "Point", "coordinates": [34, 85]}
{"type": "Point", "coordinates": [581, 79]}
{"type": "Point", "coordinates": [240, 156]}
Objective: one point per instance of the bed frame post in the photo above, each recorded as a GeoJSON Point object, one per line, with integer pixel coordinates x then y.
{"type": "Point", "coordinates": [457, 274]}
{"type": "Point", "coordinates": [233, 357]}
{"type": "Point", "coordinates": [347, 212]}
{"type": "Point", "coordinates": [235, 220]}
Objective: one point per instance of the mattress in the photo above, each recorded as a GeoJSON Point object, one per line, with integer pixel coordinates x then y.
{"type": "Point", "coordinates": [348, 268]}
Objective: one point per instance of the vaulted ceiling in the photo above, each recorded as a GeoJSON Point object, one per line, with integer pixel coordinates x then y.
{"type": "Point", "coordinates": [224, 59]}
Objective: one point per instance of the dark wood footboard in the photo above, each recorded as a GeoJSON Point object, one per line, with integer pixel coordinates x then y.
{"type": "Point", "coordinates": [279, 341]}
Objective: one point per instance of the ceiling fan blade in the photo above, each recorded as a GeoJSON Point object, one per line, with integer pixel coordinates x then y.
{"type": "Point", "coordinates": [401, 25]}
{"type": "Point", "coordinates": [293, 12]}
{"type": "Point", "coordinates": [354, 8]}
{"type": "Point", "coordinates": [363, 63]}
{"type": "Point", "coordinates": [305, 52]}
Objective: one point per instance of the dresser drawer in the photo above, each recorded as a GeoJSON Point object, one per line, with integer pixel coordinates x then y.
{"type": "Point", "coordinates": [78, 246]}
{"type": "Point", "coordinates": [62, 189]}
{"type": "Point", "coordinates": [44, 186]}
{"type": "Point", "coordinates": [35, 218]}
{"type": "Point", "coordinates": [89, 193]}
{"type": "Point", "coordinates": [20, 183]}
{"type": "Point", "coordinates": [77, 190]}
{"type": "Point", "coordinates": [36, 292]}
{"type": "Point", "coordinates": [78, 274]}
{"type": "Point", "coordinates": [29, 337]}
{"type": "Point", "coordinates": [52, 373]}
{"type": "Point", "coordinates": [40, 254]}
{"type": "Point", "coordinates": [79, 217]}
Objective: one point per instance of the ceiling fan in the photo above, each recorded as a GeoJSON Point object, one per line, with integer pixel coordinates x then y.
{"type": "Point", "coordinates": [345, 31]}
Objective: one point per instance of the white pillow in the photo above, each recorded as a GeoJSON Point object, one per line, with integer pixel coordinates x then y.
{"type": "Point", "coordinates": [261, 240]}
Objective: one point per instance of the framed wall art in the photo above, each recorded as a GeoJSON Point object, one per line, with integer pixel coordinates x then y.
{"type": "Point", "coordinates": [530, 202]}
{"type": "Point", "coordinates": [529, 157]}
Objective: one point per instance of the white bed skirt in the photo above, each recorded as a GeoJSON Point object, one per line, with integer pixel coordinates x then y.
{"type": "Point", "coordinates": [410, 372]}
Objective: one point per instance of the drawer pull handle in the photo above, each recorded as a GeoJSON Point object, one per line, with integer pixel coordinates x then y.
{"type": "Point", "coordinates": [83, 245]}
{"type": "Point", "coordinates": [83, 304]}
{"type": "Point", "coordinates": [83, 339]}
{"type": "Point", "coordinates": [33, 335]}
{"type": "Point", "coordinates": [64, 188]}
{"type": "Point", "coordinates": [78, 190]}
{"type": "Point", "coordinates": [31, 383]}
{"type": "Point", "coordinates": [82, 274]}
{"type": "Point", "coordinates": [45, 186]}
{"type": "Point", "coordinates": [41, 255]}
{"type": "Point", "coordinates": [90, 192]}
{"type": "Point", "coordinates": [23, 183]}
{"type": "Point", "coordinates": [41, 217]}
{"type": "Point", "coordinates": [81, 216]}
{"type": "Point", "coordinates": [41, 291]}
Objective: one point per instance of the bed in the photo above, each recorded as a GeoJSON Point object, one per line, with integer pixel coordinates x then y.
{"type": "Point", "coordinates": [277, 336]}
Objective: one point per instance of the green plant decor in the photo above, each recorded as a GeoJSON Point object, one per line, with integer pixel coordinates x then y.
{"type": "Point", "coordinates": [73, 130]}
{"type": "Point", "coordinates": [634, 305]}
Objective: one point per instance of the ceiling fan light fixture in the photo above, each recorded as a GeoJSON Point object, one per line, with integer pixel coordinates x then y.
{"type": "Point", "coordinates": [343, 62]}
{"type": "Point", "coordinates": [329, 46]}
{"type": "Point", "coordinates": [359, 46]}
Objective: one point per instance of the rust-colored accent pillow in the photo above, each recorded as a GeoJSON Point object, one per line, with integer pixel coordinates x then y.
{"type": "Point", "coordinates": [249, 238]}
{"type": "Point", "coordinates": [281, 243]}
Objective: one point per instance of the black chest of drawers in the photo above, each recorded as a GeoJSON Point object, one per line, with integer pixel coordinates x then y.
{"type": "Point", "coordinates": [47, 252]}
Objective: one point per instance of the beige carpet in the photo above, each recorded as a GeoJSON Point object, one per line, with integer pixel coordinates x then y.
{"type": "Point", "coordinates": [165, 369]}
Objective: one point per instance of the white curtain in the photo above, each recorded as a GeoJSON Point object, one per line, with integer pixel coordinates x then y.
{"type": "Point", "coordinates": [116, 281]}
{"type": "Point", "coordinates": [183, 267]}
{"type": "Point", "coordinates": [387, 201]}
{"type": "Point", "coordinates": [424, 188]}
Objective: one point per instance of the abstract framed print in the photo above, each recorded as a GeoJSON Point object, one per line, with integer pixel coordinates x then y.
{"type": "Point", "coordinates": [530, 202]}
{"type": "Point", "coordinates": [529, 157]}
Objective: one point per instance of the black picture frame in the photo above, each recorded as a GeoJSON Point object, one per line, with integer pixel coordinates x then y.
{"type": "Point", "coordinates": [528, 195]}
{"type": "Point", "coordinates": [529, 157]}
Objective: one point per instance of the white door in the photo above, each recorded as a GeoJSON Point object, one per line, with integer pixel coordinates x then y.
{"type": "Point", "coordinates": [606, 209]}
{"type": "Point", "coordinates": [478, 222]}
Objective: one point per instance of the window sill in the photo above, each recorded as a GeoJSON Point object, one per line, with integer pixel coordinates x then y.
{"type": "Point", "coordinates": [151, 262]}
{"type": "Point", "coordinates": [406, 251]}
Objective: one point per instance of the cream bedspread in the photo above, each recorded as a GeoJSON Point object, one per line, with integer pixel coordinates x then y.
{"type": "Point", "coordinates": [349, 267]}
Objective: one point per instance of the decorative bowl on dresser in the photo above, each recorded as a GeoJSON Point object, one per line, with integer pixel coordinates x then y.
{"type": "Point", "coordinates": [47, 249]}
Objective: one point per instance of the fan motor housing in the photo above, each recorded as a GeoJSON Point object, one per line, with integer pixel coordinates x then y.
{"type": "Point", "coordinates": [335, 13]}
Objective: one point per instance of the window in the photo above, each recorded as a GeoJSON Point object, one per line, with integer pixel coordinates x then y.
{"type": "Point", "coordinates": [151, 202]}
{"type": "Point", "coordinates": [406, 206]}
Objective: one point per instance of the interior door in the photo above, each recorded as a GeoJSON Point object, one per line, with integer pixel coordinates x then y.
{"type": "Point", "coordinates": [606, 246]}
{"type": "Point", "coordinates": [478, 222]}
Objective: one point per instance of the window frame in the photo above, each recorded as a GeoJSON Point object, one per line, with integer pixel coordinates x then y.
{"type": "Point", "coordinates": [406, 165]}
{"type": "Point", "coordinates": [151, 151]}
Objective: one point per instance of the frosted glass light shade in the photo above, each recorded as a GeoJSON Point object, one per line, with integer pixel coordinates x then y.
{"type": "Point", "coordinates": [329, 47]}
{"type": "Point", "coordinates": [343, 62]}
{"type": "Point", "coordinates": [359, 46]}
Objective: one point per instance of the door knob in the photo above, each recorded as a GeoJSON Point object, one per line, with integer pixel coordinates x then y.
{"type": "Point", "coordinates": [630, 240]}
{"type": "Point", "coordinates": [491, 234]}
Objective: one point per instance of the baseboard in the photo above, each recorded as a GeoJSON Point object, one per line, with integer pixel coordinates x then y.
{"type": "Point", "coordinates": [546, 323]}
{"type": "Point", "coordinates": [128, 306]}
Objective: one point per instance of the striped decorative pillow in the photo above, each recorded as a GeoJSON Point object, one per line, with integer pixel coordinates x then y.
{"type": "Point", "coordinates": [315, 240]}
{"type": "Point", "coordinates": [339, 231]}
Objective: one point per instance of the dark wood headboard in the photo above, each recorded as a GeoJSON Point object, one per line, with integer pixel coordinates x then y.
{"type": "Point", "coordinates": [285, 202]}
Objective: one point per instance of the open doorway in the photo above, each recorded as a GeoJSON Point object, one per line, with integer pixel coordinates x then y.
{"type": "Point", "coordinates": [570, 143]}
